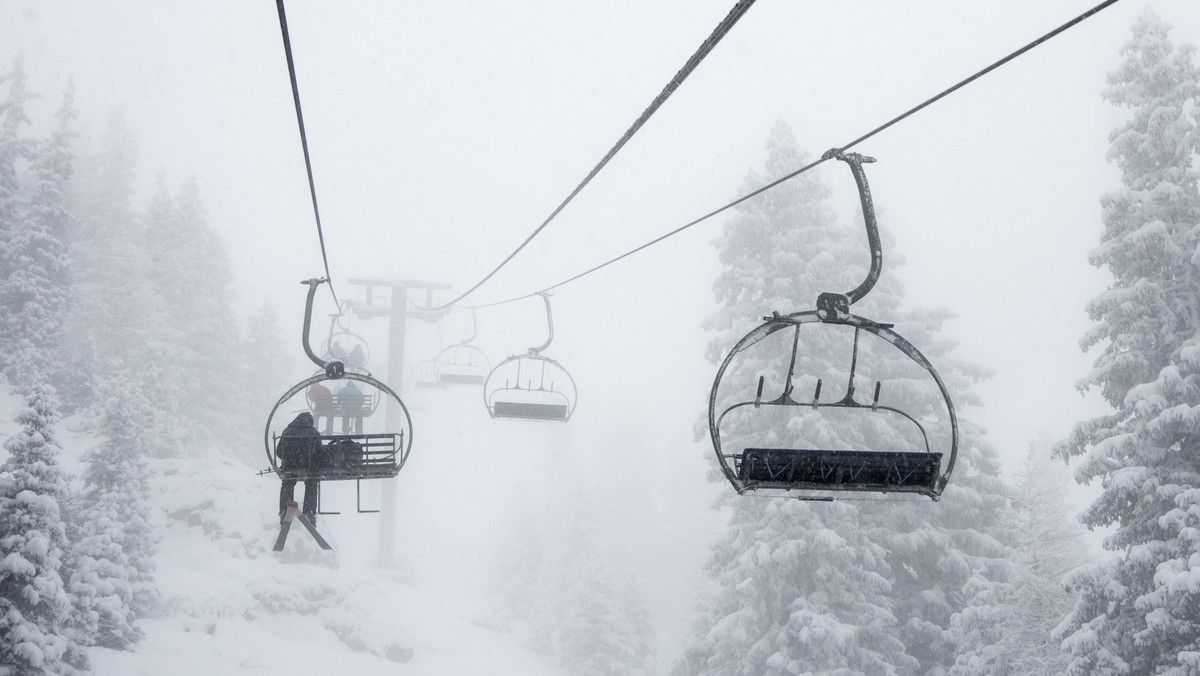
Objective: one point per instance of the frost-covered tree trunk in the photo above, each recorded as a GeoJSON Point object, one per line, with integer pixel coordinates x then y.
{"type": "Point", "coordinates": [1141, 613]}
{"type": "Point", "coordinates": [35, 293]}
{"type": "Point", "coordinates": [35, 609]}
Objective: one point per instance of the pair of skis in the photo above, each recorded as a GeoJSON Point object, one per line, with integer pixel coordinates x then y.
{"type": "Point", "coordinates": [293, 513]}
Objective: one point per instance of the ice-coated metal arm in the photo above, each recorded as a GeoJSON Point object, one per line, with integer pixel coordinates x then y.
{"type": "Point", "coordinates": [549, 326]}
{"type": "Point", "coordinates": [836, 304]}
{"type": "Point", "coordinates": [334, 369]}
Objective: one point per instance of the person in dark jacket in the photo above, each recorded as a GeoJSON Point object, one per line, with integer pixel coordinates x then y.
{"type": "Point", "coordinates": [356, 359]}
{"type": "Point", "coordinates": [299, 448]}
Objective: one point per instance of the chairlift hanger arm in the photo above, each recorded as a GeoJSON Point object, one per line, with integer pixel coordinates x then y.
{"type": "Point", "coordinates": [838, 304]}
{"type": "Point", "coordinates": [549, 326]}
{"type": "Point", "coordinates": [335, 369]}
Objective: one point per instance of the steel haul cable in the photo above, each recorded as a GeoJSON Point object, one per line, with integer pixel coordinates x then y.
{"type": "Point", "coordinates": [723, 28]}
{"type": "Point", "coordinates": [828, 155]}
{"type": "Point", "coordinates": [312, 187]}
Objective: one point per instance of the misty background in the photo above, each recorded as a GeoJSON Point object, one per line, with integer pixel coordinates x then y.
{"type": "Point", "coordinates": [443, 133]}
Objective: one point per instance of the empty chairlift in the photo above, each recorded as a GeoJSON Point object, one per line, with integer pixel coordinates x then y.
{"type": "Point", "coordinates": [531, 386]}
{"type": "Point", "coordinates": [462, 363]}
{"type": "Point", "coordinates": [776, 432]}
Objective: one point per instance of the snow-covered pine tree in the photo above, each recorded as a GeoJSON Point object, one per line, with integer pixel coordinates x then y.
{"type": "Point", "coordinates": [866, 587]}
{"type": "Point", "coordinates": [1140, 613]}
{"type": "Point", "coordinates": [801, 588]}
{"type": "Point", "coordinates": [950, 558]}
{"type": "Point", "coordinates": [118, 326]}
{"type": "Point", "coordinates": [599, 631]}
{"type": "Point", "coordinates": [1005, 631]}
{"type": "Point", "coordinates": [112, 545]}
{"type": "Point", "coordinates": [191, 273]}
{"type": "Point", "coordinates": [266, 370]}
{"type": "Point", "coordinates": [109, 328]}
{"type": "Point", "coordinates": [35, 294]}
{"type": "Point", "coordinates": [35, 609]}
{"type": "Point", "coordinates": [13, 148]}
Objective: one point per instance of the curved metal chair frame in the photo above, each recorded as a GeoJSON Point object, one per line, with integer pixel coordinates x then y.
{"type": "Point", "coordinates": [355, 339]}
{"type": "Point", "coordinates": [808, 470]}
{"type": "Point", "coordinates": [461, 364]}
{"type": "Point", "coordinates": [383, 454]}
{"type": "Point", "coordinates": [511, 401]}
{"type": "Point", "coordinates": [378, 456]}
{"type": "Point", "coordinates": [424, 375]}
{"type": "Point", "coordinates": [873, 471]}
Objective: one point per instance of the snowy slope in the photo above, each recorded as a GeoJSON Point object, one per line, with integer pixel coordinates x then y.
{"type": "Point", "coordinates": [231, 605]}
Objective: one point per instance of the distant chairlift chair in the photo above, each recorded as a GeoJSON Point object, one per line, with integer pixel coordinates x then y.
{"type": "Point", "coordinates": [531, 386]}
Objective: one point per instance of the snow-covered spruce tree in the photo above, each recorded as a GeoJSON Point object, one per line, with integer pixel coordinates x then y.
{"type": "Point", "coordinates": [13, 148]}
{"type": "Point", "coordinates": [112, 312]}
{"type": "Point", "coordinates": [266, 358]}
{"type": "Point", "coordinates": [1140, 614]}
{"type": "Point", "coordinates": [191, 274]}
{"type": "Point", "coordinates": [867, 587]}
{"type": "Point", "coordinates": [601, 628]}
{"type": "Point", "coordinates": [34, 296]}
{"type": "Point", "coordinates": [1006, 630]}
{"type": "Point", "coordinates": [800, 586]}
{"type": "Point", "coordinates": [35, 609]}
{"type": "Point", "coordinates": [112, 545]}
{"type": "Point", "coordinates": [117, 325]}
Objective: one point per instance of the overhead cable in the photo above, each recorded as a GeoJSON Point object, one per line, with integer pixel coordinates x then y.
{"type": "Point", "coordinates": [312, 187]}
{"type": "Point", "coordinates": [739, 9]}
{"type": "Point", "coordinates": [828, 155]}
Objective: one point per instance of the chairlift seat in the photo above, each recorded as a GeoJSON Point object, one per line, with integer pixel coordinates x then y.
{"type": "Point", "coordinates": [453, 378]}
{"type": "Point", "coordinates": [849, 470]}
{"type": "Point", "coordinates": [375, 458]}
{"type": "Point", "coordinates": [529, 411]}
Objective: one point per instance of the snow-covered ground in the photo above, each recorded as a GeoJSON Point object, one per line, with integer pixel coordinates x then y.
{"type": "Point", "coordinates": [231, 605]}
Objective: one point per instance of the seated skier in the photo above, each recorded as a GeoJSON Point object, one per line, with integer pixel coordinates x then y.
{"type": "Point", "coordinates": [299, 448]}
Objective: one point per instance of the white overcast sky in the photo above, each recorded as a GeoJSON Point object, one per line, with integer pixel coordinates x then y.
{"type": "Point", "coordinates": [443, 132]}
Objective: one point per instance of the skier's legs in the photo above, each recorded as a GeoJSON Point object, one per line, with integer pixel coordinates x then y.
{"type": "Point", "coordinates": [312, 490]}
{"type": "Point", "coordinates": [287, 492]}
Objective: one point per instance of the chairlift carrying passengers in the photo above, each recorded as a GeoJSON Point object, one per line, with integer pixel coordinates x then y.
{"type": "Point", "coordinates": [917, 441]}
{"type": "Point", "coordinates": [355, 443]}
{"type": "Point", "coordinates": [531, 386]}
{"type": "Point", "coordinates": [345, 346]}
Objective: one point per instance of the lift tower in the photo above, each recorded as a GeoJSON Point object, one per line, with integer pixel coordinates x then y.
{"type": "Point", "coordinates": [394, 305]}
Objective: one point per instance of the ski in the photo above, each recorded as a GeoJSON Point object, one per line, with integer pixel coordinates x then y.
{"type": "Point", "coordinates": [294, 514]}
